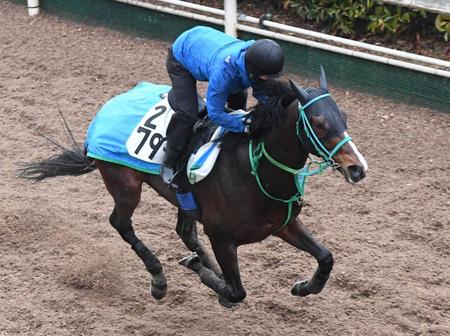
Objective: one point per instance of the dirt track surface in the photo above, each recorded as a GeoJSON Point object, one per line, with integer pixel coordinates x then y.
{"type": "Point", "coordinates": [65, 271]}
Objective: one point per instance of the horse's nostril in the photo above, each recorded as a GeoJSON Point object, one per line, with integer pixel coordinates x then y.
{"type": "Point", "coordinates": [356, 173]}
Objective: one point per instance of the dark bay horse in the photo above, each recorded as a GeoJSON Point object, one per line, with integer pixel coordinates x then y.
{"type": "Point", "coordinates": [253, 191]}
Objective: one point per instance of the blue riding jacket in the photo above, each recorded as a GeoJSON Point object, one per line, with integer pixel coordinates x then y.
{"type": "Point", "coordinates": [213, 56]}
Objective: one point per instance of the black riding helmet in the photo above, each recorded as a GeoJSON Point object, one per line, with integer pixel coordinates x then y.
{"type": "Point", "coordinates": [264, 57]}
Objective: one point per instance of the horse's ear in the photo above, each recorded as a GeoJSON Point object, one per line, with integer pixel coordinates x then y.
{"type": "Point", "coordinates": [323, 79]}
{"type": "Point", "coordinates": [299, 91]}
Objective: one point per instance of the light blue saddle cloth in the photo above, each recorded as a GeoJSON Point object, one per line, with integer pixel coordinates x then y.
{"type": "Point", "coordinates": [130, 129]}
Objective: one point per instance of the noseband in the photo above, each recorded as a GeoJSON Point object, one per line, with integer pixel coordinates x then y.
{"type": "Point", "coordinates": [301, 174]}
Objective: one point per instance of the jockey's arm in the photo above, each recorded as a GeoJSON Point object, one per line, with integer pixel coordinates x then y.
{"type": "Point", "coordinates": [216, 98]}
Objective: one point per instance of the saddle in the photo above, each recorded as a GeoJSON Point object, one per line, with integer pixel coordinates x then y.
{"type": "Point", "coordinates": [203, 146]}
{"type": "Point", "coordinates": [201, 134]}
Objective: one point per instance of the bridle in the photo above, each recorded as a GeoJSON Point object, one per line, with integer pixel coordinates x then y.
{"type": "Point", "coordinates": [300, 175]}
{"type": "Point", "coordinates": [326, 155]}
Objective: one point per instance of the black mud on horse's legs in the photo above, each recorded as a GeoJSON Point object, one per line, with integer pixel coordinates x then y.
{"type": "Point", "coordinates": [151, 262]}
{"type": "Point", "coordinates": [187, 230]}
{"type": "Point", "coordinates": [297, 235]}
{"type": "Point", "coordinates": [230, 288]}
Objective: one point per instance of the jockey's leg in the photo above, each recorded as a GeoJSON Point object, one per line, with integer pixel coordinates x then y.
{"type": "Point", "coordinates": [183, 99]}
{"type": "Point", "coordinates": [178, 133]}
{"type": "Point", "coordinates": [238, 101]}
{"type": "Point", "coordinates": [297, 235]}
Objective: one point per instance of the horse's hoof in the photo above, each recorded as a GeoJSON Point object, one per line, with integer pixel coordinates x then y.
{"type": "Point", "coordinates": [225, 303]}
{"type": "Point", "coordinates": [158, 291]}
{"type": "Point", "coordinates": [300, 288]}
{"type": "Point", "coordinates": [192, 262]}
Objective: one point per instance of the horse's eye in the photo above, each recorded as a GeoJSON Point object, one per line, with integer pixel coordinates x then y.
{"type": "Point", "coordinates": [321, 126]}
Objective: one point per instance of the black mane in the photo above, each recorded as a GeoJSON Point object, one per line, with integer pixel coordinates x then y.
{"type": "Point", "coordinates": [271, 113]}
{"type": "Point", "coordinates": [265, 116]}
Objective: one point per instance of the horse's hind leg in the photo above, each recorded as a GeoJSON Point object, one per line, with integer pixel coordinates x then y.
{"type": "Point", "coordinates": [187, 230]}
{"type": "Point", "coordinates": [297, 235]}
{"type": "Point", "coordinates": [125, 188]}
{"type": "Point", "coordinates": [122, 223]}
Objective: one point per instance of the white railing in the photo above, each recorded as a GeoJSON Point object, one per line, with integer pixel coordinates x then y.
{"type": "Point", "coordinates": [437, 6]}
{"type": "Point", "coordinates": [230, 7]}
{"type": "Point", "coordinates": [33, 7]}
{"type": "Point", "coordinates": [229, 19]}
{"type": "Point", "coordinates": [425, 66]}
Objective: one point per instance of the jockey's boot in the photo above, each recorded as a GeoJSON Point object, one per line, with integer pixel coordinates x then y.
{"type": "Point", "coordinates": [168, 167]}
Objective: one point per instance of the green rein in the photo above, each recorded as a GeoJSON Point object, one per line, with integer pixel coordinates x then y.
{"type": "Point", "coordinates": [300, 175]}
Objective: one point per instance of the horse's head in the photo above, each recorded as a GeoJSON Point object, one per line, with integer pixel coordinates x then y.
{"type": "Point", "coordinates": [322, 129]}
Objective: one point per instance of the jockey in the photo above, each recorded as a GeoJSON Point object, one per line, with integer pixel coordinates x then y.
{"type": "Point", "coordinates": [230, 66]}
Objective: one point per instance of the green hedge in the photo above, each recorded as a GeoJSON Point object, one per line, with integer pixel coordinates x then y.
{"type": "Point", "coordinates": [405, 85]}
{"type": "Point", "coordinates": [348, 17]}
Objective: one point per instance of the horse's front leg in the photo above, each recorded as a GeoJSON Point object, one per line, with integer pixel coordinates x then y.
{"type": "Point", "coordinates": [229, 289]}
{"type": "Point", "coordinates": [297, 235]}
{"type": "Point", "coordinates": [187, 230]}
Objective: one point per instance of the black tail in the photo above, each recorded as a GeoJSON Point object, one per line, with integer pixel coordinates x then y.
{"type": "Point", "coordinates": [71, 162]}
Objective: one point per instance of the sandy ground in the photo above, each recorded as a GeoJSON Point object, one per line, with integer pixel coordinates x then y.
{"type": "Point", "coordinates": [65, 271]}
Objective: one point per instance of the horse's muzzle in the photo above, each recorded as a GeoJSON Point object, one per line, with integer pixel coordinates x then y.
{"type": "Point", "coordinates": [356, 173]}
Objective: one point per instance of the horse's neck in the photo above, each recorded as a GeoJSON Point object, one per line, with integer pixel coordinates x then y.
{"type": "Point", "coordinates": [287, 150]}
{"type": "Point", "coordinates": [285, 147]}
{"type": "Point", "coordinates": [284, 142]}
